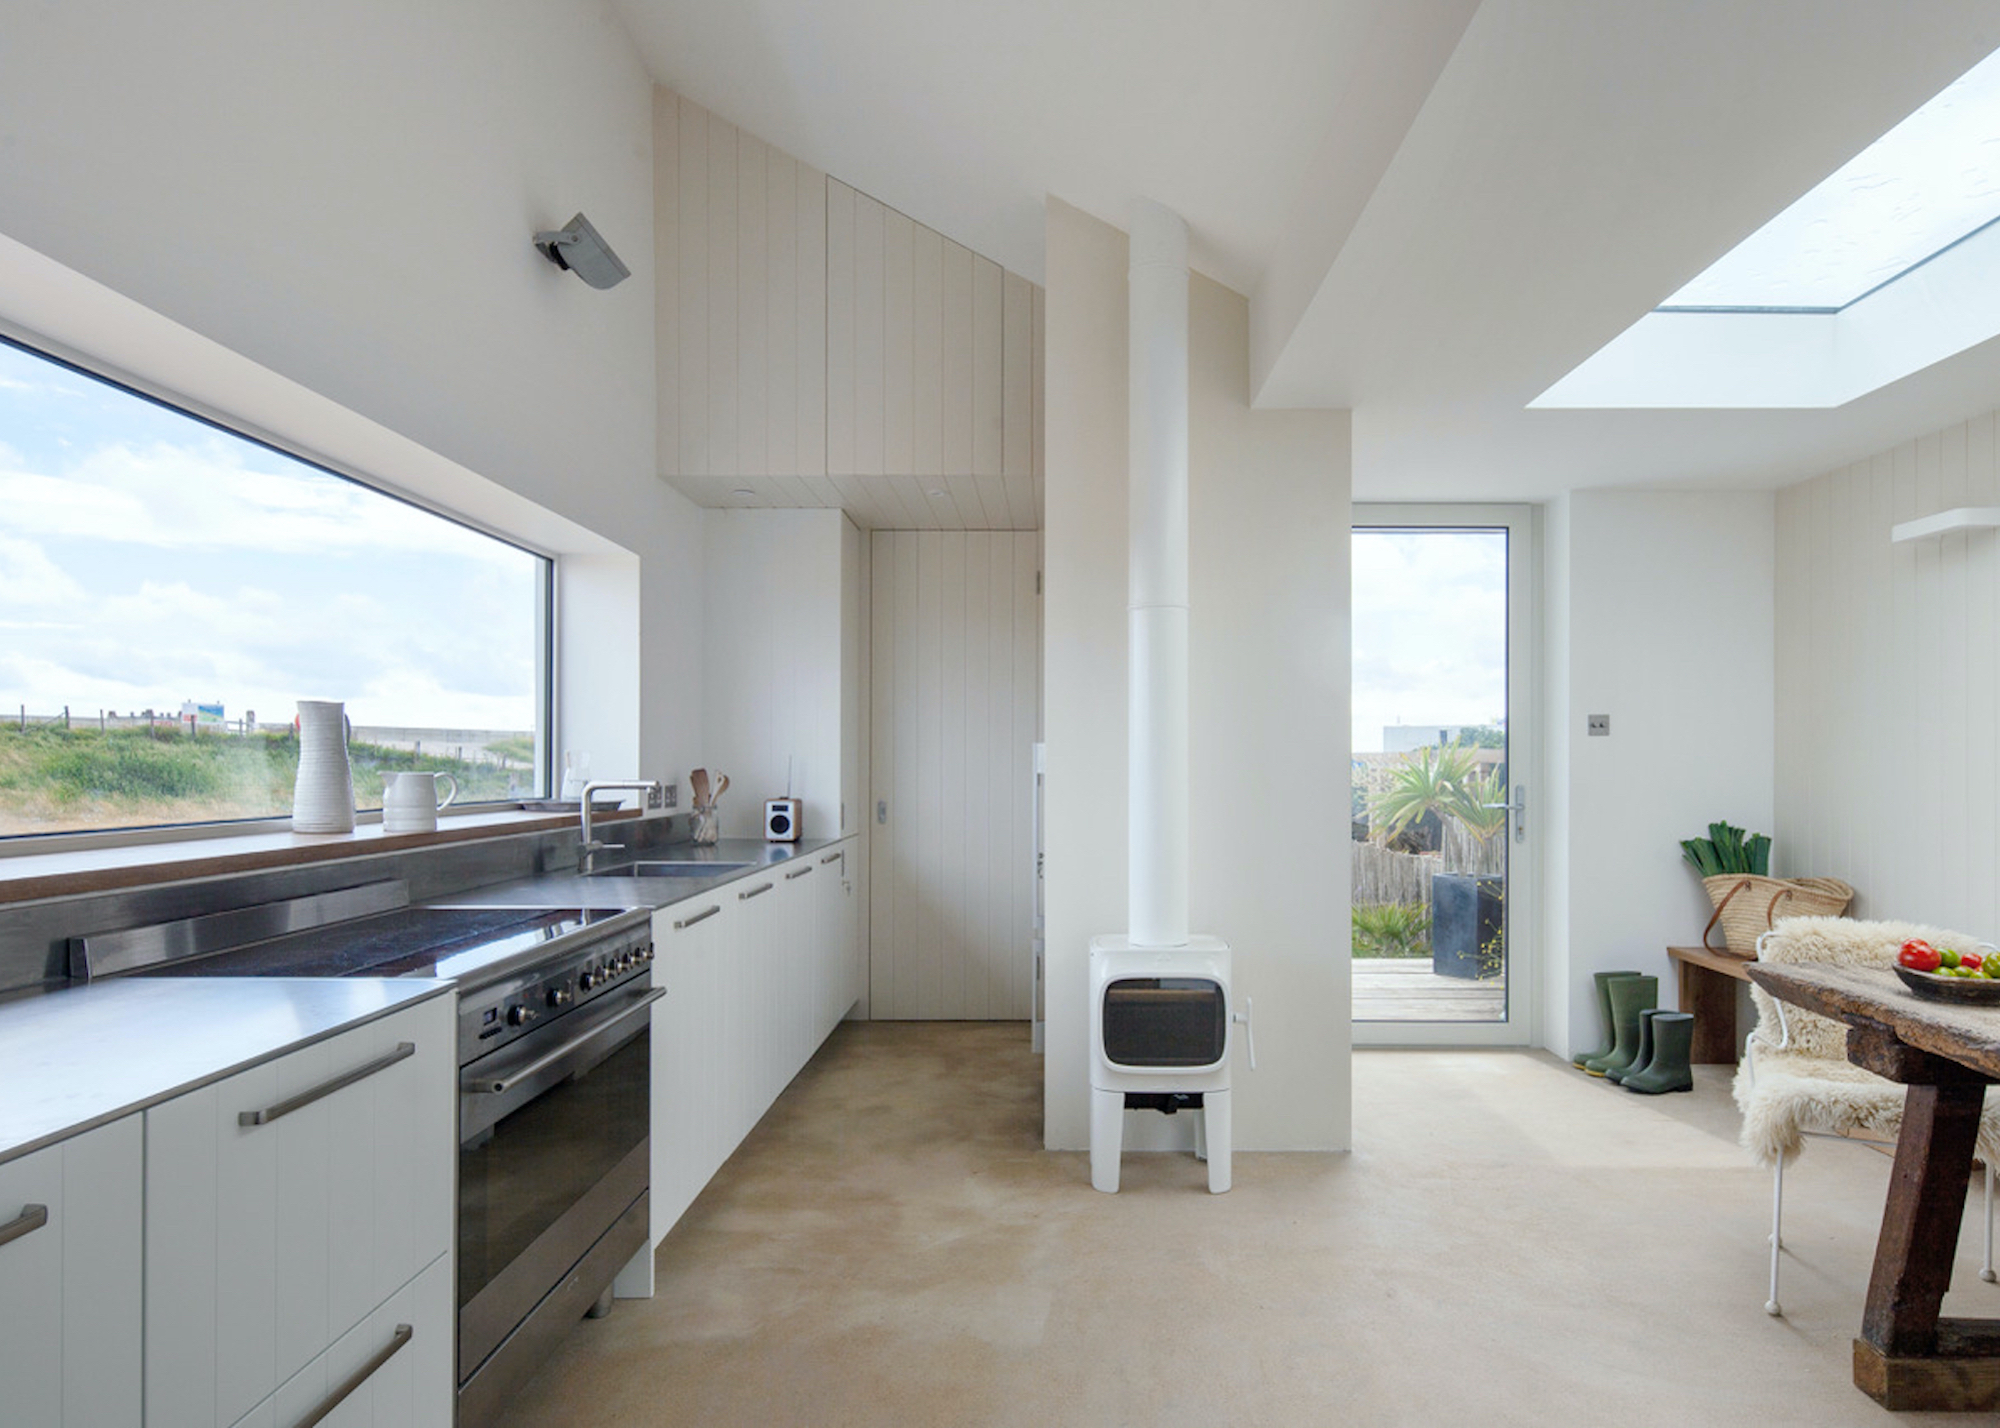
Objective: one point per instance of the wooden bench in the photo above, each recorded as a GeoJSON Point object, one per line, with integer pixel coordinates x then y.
{"type": "Point", "coordinates": [1708, 981]}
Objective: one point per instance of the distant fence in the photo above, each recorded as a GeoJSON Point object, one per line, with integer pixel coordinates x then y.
{"type": "Point", "coordinates": [1383, 875]}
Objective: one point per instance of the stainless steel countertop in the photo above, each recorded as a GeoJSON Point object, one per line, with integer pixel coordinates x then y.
{"type": "Point", "coordinates": [569, 890]}
{"type": "Point", "coordinates": [82, 1057]}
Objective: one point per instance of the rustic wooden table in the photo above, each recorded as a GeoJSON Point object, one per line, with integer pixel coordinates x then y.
{"type": "Point", "coordinates": [1908, 1356]}
{"type": "Point", "coordinates": [1708, 979]}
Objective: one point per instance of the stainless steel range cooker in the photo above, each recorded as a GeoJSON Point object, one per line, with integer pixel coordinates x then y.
{"type": "Point", "coordinates": [554, 1054]}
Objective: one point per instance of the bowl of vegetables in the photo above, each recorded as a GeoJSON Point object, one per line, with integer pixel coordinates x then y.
{"type": "Point", "coordinates": [1945, 974]}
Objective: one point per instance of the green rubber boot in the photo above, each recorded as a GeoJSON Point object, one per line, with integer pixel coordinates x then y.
{"type": "Point", "coordinates": [1603, 980]}
{"type": "Point", "coordinates": [1673, 1039]}
{"type": "Point", "coordinates": [1643, 1055]}
{"type": "Point", "coordinates": [1629, 997]}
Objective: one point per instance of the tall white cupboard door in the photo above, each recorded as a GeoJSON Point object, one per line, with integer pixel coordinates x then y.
{"type": "Point", "coordinates": [798, 956]}
{"type": "Point", "coordinates": [285, 1203]}
{"type": "Point", "coordinates": [70, 1257]}
{"type": "Point", "coordinates": [956, 655]}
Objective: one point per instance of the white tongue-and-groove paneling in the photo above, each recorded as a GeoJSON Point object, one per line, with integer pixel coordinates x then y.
{"type": "Point", "coordinates": [955, 711]}
{"type": "Point", "coordinates": [1888, 715]}
{"type": "Point", "coordinates": [817, 348]}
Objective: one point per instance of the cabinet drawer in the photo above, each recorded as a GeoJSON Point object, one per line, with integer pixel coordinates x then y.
{"type": "Point", "coordinates": [380, 1375]}
{"type": "Point", "coordinates": [70, 1221]}
{"type": "Point", "coordinates": [284, 1203]}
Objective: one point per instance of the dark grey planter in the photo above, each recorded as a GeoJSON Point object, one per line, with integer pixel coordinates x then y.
{"type": "Point", "coordinates": [1466, 915]}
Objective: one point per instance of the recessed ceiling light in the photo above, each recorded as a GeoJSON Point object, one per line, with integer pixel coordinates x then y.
{"type": "Point", "coordinates": [938, 494]}
{"type": "Point", "coordinates": [744, 493]}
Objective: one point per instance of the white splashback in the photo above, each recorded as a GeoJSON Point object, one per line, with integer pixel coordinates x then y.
{"type": "Point", "coordinates": [1888, 759]}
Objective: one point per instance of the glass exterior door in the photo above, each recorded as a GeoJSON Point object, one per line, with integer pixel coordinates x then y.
{"type": "Point", "coordinates": [1441, 817]}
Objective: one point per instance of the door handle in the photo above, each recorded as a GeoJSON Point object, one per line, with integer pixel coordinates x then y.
{"type": "Point", "coordinates": [31, 1218]}
{"type": "Point", "coordinates": [1517, 812]}
{"type": "Point", "coordinates": [403, 1052]}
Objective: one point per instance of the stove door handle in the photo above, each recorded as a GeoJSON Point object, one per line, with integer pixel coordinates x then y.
{"type": "Point", "coordinates": [403, 1052]}
{"type": "Point", "coordinates": [501, 1085]}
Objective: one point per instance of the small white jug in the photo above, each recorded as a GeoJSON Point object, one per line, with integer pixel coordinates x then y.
{"type": "Point", "coordinates": [410, 801]}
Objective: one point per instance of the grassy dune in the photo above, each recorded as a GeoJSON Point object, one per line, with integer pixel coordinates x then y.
{"type": "Point", "coordinates": [55, 780]}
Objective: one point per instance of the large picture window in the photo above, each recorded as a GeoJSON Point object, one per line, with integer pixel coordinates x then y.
{"type": "Point", "coordinates": [169, 589]}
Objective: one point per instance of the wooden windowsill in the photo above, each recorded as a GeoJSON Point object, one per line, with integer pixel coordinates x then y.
{"type": "Point", "coordinates": [105, 869]}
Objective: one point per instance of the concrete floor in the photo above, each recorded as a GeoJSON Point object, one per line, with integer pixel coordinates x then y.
{"type": "Point", "coordinates": [1510, 1243]}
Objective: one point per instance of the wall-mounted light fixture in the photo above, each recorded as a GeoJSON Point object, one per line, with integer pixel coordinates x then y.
{"type": "Point", "coordinates": [579, 248]}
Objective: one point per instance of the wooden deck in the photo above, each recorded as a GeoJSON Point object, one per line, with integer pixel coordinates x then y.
{"type": "Point", "coordinates": [1406, 989]}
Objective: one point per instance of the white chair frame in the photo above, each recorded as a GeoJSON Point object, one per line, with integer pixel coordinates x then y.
{"type": "Point", "coordinates": [1784, 1042]}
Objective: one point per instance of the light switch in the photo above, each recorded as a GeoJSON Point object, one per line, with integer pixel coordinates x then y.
{"type": "Point", "coordinates": [881, 810]}
{"type": "Point", "coordinates": [1599, 724]}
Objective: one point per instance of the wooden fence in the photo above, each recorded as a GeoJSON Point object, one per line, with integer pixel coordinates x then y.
{"type": "Point", "coordinates": [1381, 875]}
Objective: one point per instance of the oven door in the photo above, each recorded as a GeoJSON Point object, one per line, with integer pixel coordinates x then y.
{"type": "Point", "coordinates": [552, 1151]}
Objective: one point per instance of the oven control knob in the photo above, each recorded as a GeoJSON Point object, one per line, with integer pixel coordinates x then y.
{"type": "Point", "coordinates": [558, 996]}
{"type": "Point", "coordinates": [518, 1015]}
{"type": "Point", "coordinates": [589, 979]}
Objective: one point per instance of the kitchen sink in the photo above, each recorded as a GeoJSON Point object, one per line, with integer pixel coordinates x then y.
{"type": "Point", "coordinates": [670, 870]}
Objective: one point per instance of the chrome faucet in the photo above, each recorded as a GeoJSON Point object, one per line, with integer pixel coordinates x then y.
{"type": "Point", "coordinates": [590, 848]}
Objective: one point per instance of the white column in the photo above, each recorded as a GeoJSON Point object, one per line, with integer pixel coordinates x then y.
{"type": "Point", "coordinates": [1157, 602]}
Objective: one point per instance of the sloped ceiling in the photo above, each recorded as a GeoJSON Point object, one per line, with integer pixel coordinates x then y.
{"type": "Point", "coordinates": [1438, 208]}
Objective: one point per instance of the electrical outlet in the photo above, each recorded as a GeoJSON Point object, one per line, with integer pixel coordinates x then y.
{"type": "Point", "coordinates": [667, 796]}
{"type": "Point", "coordinates": [881, 810]}
{"type": "Point", "coordinates": [1598, 725]}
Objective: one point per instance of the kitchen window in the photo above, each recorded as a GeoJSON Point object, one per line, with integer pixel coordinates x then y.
{"type": "Point", "coordinates": [170, 588]}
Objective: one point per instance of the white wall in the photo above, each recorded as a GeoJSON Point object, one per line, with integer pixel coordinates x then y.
{"type": "Point", "coordinates": [1666, 602]}
{"type": "Point", "coordinates": [332, 205]}
{"type": "Point", "coordinates": [771, 672]}
{"type": "Point", "coordinates": [1269, 652]}
{"type": "Point", "coordinates": [1888, 772]}
{"type": "Point", "coordinates": [955, 713]}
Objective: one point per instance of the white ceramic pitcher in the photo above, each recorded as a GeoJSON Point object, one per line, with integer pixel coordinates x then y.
{"type": "Point", "coordinates": [323, 797]}
{"type": "Point", "coordinates": [410, 801]}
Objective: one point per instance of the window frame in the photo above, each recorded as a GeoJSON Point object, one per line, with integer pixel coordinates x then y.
{"type": "Point", "coordinates": [546, 623]}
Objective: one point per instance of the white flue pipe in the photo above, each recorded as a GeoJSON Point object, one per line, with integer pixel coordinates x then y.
{"type": "Point", "coordinates": [1157, 603]}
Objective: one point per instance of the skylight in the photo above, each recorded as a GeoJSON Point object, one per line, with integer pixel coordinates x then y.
{"type": "Point", "coordinates": [1927, 184]}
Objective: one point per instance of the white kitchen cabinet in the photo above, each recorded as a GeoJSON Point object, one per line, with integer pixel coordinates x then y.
{"type": "Point", "coordinates": [71, 1220]}
{"type": "Point", "coordinates": [284, 1204]}
{"type": "Point", "coordinates": [798, 929]}
{"type": "Point", "coordinates": [837, 977]}
{"type": "Point", "coordinates": [391, 1370]}
{"type": "Point", "coordinates": [756, 973]}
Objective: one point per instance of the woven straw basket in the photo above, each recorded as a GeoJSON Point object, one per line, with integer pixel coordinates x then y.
{"type": "Point", "coordinates": [1747, 905]}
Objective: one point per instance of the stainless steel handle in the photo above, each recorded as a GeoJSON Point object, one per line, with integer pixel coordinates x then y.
{"type": "Point", "coordinates": [1517, 812]}
{"type": "Point", "coordinates": [403, 1052]}
{"type": "Point", "coordinates": [31, 1218]}
{"type": "Point", "coordinates": [831, 858]}
{"type": "Point", "coordinates": [757, 891]}
{"type": "Point", "coordinates": [404, 1333]}
{"type": "Point", "coordinates": [500, 1085]}
{"type": "Point", "coordinates": [702, 916]}
{"type": "Point", "coordinates": [798, 872]}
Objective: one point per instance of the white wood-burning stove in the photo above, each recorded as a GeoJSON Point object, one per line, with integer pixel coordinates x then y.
{"type": "Point", "coordinates": [1161, 1004]}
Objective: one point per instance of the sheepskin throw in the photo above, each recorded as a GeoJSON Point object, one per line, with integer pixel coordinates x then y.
{"type": "Point", "coordinates": [1811, 1085]}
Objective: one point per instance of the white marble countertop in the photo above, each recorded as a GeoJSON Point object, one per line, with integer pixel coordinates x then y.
{"type": "Point", "coordinates": [84, 1056]}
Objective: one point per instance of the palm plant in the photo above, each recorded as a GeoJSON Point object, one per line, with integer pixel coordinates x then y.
{"type": "Point", "coordinates": [1432, 782]}
{"type": "Point", "coordinates": [1481, 805]}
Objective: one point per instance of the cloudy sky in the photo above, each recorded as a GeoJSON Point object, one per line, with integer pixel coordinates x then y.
{"type": "Point", "coordinates": [147, 559]}
{"type": "Point", "coordinates": [1430, 629]}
